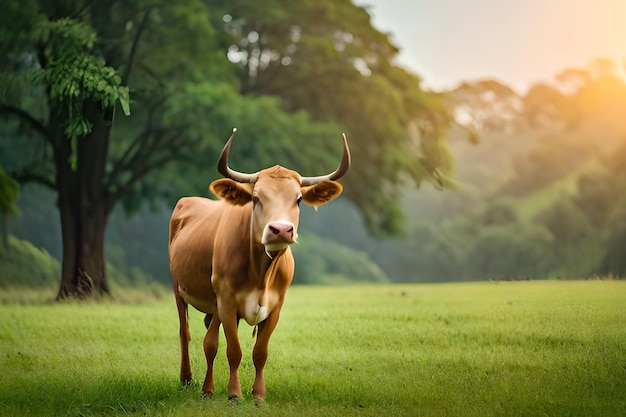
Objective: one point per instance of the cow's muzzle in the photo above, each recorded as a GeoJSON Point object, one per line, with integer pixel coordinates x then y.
{"type": "Point", "coordinates": [278, 235]}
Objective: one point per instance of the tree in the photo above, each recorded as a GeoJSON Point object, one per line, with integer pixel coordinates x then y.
{"type": "Point", "coordinates": [326, 57]}
{"type": "Point", "coordinates": [545, 105]}
{"type": "Point", "coordinates": [486, 105]}
{"type": "Point", "coordinates": [514, 251]}
{"type": "Point", "coordinates": [71, 68]}
{"type": "Point", "coordinates": [67, 68]}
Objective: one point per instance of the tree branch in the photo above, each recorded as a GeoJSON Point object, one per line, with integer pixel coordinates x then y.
{"type": "Point", "coordinates": [26, 117]}
{"type": "Point", "coordinates": [25, 176]}
{"type": "Point", "coordinates": [80, 12]}
{"type": "Point", "coordinates": [140, 149]}
{"type": "Point", "coordinates": [139, 167]}
{"type": "Point", "coordinates": [130, 151]}
{"type": "Point", "coordinates": [269, 88]}
{"type": "Point", "coordinates": [133, 49]}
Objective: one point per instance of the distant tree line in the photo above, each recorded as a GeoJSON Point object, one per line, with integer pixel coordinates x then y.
{"type": "Point", "coordinates": [111, 111]}
{"type": "Point", "coordinates": [541, 186]}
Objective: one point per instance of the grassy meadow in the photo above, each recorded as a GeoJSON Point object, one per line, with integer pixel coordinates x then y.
{"type": "Point", "coordinates": [534, 348]}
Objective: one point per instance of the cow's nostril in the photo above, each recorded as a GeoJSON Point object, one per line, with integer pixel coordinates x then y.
{"type": "Point", "coordinates": [274, 230]}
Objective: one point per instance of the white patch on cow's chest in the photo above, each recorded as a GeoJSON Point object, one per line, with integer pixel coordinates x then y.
{"type": "Point", "coordinates": [256, 308]}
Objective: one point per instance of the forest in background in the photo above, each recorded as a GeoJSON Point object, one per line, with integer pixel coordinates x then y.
{"type": "Point", "coordinates": [116, 106]}
{"type": "Point", "coordinates": [541, 193]}
{"type": "Point", "coordinates": [539, 178]}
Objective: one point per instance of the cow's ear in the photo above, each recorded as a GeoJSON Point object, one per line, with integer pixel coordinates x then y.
{"type": "Point", "coordinates": [232, 192]}
{"type": "Point", "coordinates": [321, 193]}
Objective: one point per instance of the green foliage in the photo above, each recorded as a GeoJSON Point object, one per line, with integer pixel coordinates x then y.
{"type": "Point", "coordinates": [554, 157]}
{"type": "Point", "coordinates": [510, 252]}
{"type": "Point", "coordinates": [614, 261]}
{"type": "Point", "coordinates": [17, 23]}
{"type": "Point", "coordinates": [290, 77]}
{"type": "Point", "coordinates": [72, 72]}
{"type": "Point", "coordinates": [327, 58]}
{"type": "Point", "coordinates": [206, 113]}
{"type": "Point", "coordinates": [424, 254]}
{"type": "Point", "coordinates": [22, 265]}
{"type": "Point", "coordinates": [9, 193]}
{"type": "Point", "coordinates": [322, 261]}
{"type": "Point", "coordinates": [540, 195]}
{"type": "Point", "coordinates": [566, 221]}
{"type": "Point", "coordinates": [485, 105]}
{"type": "Point", "coordinates": [267, 135]}
{"type": "Point", "coordinates": [500, 212]}
{"type": "Point", "coordinates": [545, 104]}
{"type": "Point", "coordinates": [596, 194]}
{"type": "Point", "coordinates": [484, 349]}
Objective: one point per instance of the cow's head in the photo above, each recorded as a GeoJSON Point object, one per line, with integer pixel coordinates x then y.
{"type": "Point", "coordinates": [276, 194]}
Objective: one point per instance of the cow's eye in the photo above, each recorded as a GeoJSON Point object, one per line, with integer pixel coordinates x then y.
{"type": "Point", "coordinates": [299, 200]}
{"type": "Point", "coordinates": [255, 200]}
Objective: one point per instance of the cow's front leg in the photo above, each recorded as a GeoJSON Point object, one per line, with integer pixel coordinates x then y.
{"type": "Point", "coordinates": [228, 317]}
{"type": "Point", "coordinates": [259, 354]}
{"type": "Point", "coordinates": [211, 342]}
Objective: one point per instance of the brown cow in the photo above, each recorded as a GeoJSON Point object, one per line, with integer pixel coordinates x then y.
{"type": "Point", "coordinates": [231, 258]}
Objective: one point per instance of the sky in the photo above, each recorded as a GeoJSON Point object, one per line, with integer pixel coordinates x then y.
{"type": "Point", "coordinates": [518, 42]}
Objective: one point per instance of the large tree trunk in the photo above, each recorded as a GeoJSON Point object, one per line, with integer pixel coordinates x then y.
{"type": "Point", "coordinates": [84, 199]}
{"type": "Point", "coordinates": [84, 207]}
{"type": "Point", "coordinates": [83, 268]}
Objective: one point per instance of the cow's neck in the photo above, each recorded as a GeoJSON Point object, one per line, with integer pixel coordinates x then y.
{"type": "Point", "coordinates": [262, 265]}
{"type": "Point", "coordinates": [262, 262]}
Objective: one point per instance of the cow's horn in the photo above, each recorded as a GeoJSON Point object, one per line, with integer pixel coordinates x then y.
{"type": "Point", "coordinates": [224, 169]}
{"type": "Point", "coordinates": [340, 172]}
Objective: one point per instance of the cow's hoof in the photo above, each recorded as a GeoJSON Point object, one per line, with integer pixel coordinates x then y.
{"type": "Point", "coordinates": [234, 400]}
{"type": "Point", "coordinates": [185, 382]}
{"type": "Point", "coordinates": [207, 395]}
{"type": "Point", "coordinates": [259, 402]}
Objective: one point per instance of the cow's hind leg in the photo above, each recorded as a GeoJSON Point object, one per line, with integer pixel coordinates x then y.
{"type": "Point", "coordinates": [259, 354]}
{"type": "Point", "coordinates": [211, 342]}
{"type": "Point", "coordinates": [185, 336]}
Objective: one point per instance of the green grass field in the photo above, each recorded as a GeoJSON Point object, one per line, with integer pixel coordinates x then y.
{"type": "Point", "coordinates": [547, 348]}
